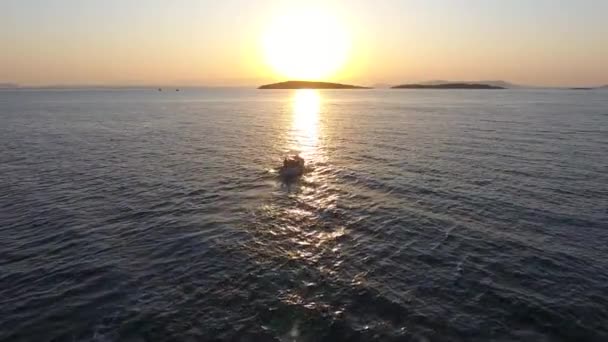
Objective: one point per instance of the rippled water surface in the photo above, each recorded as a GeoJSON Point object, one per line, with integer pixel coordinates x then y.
{"type": "Point", "coordinates": [425, 215]}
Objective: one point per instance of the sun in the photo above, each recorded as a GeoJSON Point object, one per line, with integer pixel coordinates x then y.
{"type": "Point", "coordinates": [307, 44]}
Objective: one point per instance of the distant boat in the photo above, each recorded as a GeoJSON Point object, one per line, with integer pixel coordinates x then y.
{"type": "Point", "coordinates": [160, 89]}
{"type": "Point", "coordinates": [176, 89]}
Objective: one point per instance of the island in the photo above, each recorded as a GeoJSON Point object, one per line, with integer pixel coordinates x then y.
{"type": "Point", "coordinates": [448, 86]}
{"type": "Point", "coordinates": [309, 85]}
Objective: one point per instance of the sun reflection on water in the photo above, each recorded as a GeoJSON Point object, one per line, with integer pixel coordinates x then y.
{"type": "Point", "coordinates": [306, 107]}
{"type": "Point", "coordinates": [302, 229]}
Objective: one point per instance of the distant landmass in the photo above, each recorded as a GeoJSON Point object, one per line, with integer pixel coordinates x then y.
{"type": "Point", "coordinates": [604, 87]}
{"type": "Point", "coordinates": [448, 86]}
{"type": "Point", "coordinates": [8, 85]}
{"type": "Point", "coordinates": [496, 83]}
{"type": "Point", "coordinates": [309, 85]}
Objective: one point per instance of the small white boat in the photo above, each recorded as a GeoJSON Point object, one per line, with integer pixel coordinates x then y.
{"type": "Point", "coordinates": [292, 167]}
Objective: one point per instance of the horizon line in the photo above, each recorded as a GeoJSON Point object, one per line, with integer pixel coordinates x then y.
{"type": "Point", "coordinates": [376, 85]}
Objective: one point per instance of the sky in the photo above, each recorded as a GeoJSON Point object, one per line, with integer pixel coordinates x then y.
{"type": "Point", "coordinates": [219, 43]}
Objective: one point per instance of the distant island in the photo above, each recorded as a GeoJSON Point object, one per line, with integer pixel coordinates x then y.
{"type": "Point", "coordinates": [448, 86]}
{"type": "Point", "coordinates": [587, 88]}
{"type": "Point", "coordinates": [309, 85]}
{"type": "Point", "coordinates": [496, 83]}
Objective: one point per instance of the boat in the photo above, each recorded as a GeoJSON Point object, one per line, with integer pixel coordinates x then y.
{"type": "Point", "coordinates": [293, 166]}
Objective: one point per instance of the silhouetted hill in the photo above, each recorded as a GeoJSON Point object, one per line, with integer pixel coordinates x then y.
{"type": "Point", "coordinates": [604, 87]}
{"type": "Point", "coordinates": [8, 85]}
{"type": "Point", "coordinates": [496, 83]}
{"type": "Point", "coordinates": [447, 86]}
{"type": "Point", "coordinates": [309, 85]}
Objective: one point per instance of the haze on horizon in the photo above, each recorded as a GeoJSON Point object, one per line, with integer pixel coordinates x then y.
{"type": "Point", "coordinates": [199, 42]}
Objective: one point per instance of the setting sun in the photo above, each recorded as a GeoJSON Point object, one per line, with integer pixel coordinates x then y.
{"type": "Point", "coordinates": [306, 45]}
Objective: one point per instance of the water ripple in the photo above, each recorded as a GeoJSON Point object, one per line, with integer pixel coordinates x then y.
{"type": "Point", "coordinates": [424, 216]}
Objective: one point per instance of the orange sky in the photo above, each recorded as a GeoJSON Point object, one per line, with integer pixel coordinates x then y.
{"type": "Point", "coordinates": [189, 42]}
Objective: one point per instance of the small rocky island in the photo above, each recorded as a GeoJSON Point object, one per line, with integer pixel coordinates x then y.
{"type": "Point", "coordinates": [448, 86]}
{"type": "Point", "coordinates": [309, 85]}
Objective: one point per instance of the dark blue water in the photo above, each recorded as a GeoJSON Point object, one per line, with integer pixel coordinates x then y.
{"type": "Point", "coordinates": [135, 215]}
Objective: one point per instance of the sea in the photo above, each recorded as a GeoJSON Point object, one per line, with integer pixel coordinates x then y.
{"type": "Point", "coordinates": [423, 215]}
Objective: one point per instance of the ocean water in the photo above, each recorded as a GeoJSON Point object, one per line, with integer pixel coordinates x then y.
{"type": "Point", "coordinates": [425, 215]}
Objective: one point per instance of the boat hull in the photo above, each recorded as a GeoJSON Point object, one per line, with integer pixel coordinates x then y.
{"type": "Point", "coordinates": [290, 172]}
